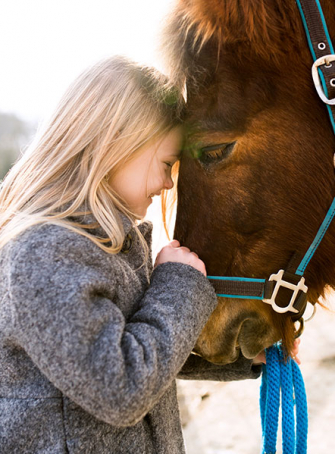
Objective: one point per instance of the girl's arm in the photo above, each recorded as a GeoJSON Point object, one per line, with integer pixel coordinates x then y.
{"type": "Point", "coordinates": [67, 316]}
{"type": "Point", "coordinates": [197, 368]}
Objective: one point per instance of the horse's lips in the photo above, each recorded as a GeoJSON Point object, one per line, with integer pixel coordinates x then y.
{"type": "Point", "coordinates": [221, 360]}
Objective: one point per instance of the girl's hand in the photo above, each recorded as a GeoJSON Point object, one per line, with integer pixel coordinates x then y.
{"type": "Point", "coordinates": [173, 252]}
{"type": "Point", "coordinates": [294, 354]}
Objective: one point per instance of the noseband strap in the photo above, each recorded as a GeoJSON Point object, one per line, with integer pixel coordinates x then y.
{"type": "Point", "coordinates": [290, 285]}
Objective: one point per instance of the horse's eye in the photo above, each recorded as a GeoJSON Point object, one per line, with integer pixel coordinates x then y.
{"type": "Point", "coordinates": [215, 153]}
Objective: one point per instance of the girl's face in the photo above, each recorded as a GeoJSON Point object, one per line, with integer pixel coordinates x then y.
{"type": "Point", "coordinates": [148, 173]}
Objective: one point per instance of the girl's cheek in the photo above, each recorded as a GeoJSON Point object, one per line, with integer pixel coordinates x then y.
{"type": "Point", "coordinates": [159, 182]}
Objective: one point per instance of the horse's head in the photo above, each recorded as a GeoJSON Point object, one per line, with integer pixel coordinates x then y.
{"type": "Point", "coordinates": [257, 175]}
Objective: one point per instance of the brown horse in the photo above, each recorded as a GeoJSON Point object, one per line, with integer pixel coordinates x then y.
{"type": "Point", "coordinates": [263, 185]}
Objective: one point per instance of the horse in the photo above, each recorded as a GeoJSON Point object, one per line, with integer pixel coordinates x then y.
{"type": "Point", "coordinates": [257, 172]}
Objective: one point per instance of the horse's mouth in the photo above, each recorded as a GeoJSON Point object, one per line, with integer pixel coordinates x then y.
{"type": "Point", "coordinates": [245, 336]}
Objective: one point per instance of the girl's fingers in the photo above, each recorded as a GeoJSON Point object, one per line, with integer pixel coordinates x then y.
{"type": "Point", "coordinates": [297, 360]}
{"type": "Point", "coordinates": [295, 351]}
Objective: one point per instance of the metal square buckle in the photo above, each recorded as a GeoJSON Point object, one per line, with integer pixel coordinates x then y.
{"type": "Point", "coordinates": [281, 283]}
{"type": "Point", "coordinates": [316, 78]}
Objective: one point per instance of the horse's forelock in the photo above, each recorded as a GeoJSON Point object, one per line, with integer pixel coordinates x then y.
{"type": "Point", "coordinates": [259, 24]}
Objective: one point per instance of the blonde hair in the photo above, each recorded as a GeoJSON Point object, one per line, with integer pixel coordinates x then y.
{"type": "Point", "coordinates": [108, 113]}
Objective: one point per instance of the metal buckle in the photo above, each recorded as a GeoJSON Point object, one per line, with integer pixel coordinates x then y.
{"type": "Point", "coordinates": [281, 283]}
{"type": "Point", "coordinates": [316, 78]}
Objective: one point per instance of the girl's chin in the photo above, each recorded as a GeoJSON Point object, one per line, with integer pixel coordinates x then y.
{"type": "Point", "coordinates": [142, 211]}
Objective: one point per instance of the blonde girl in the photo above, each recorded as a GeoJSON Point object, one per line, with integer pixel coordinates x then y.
{"type": "Point", "coordinates": [91, 336]}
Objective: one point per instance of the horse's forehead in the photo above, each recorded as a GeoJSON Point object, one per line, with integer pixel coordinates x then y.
{"type": "Point", "coordinates": [228, 103]}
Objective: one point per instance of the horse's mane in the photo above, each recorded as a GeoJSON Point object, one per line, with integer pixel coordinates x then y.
{"type": "Point", "coordinates": [265, 28]}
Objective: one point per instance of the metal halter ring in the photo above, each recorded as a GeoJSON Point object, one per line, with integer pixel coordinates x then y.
{"type": "Point", "coordinates": [316, 78]}
{"type": "Point", "coordinates": [312, 315]}
{"type": "Point", "coordinates": [281, 283]}
{"type": "Point", "coordinates": [301, 328]}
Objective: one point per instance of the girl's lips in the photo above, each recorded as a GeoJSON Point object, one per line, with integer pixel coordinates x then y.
{"type": "Point", "coordinates": [155, 194]}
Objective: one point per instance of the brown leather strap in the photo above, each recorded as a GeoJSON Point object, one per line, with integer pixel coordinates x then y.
{"type": "Point", "coordinates": [242, 288]}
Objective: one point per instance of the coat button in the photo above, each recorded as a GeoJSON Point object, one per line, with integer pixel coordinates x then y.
{"type": "Point", "coordinates": [127, 244]}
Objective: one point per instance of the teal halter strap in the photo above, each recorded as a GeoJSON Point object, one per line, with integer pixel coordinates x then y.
{"type": "Point", "coordinates": [323, 72]}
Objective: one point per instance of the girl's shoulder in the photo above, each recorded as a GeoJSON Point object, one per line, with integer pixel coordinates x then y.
{"type": "Point", "coordinates": [48, 235]}
{"type": "Point", "coordinates": [50, 242]}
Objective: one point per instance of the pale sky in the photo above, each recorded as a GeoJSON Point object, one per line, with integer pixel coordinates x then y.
{"type": "Point", "coordinates": [45, 44]}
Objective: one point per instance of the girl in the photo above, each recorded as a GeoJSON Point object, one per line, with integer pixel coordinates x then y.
{"type": "Point", "coordinates": [91, 340]}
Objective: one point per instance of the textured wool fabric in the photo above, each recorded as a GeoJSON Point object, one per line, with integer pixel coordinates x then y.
{"type": "Point", "coordinates": [91, 344]}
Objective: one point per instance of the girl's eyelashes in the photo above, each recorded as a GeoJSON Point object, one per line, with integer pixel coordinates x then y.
{"type": "Point", "coordinates": [169, 164]}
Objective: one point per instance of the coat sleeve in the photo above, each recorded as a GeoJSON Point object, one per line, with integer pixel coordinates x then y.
{"type": "Point", "coordinates": [70, 326]}
{"type": "Point", "coordinates": [197, 368]}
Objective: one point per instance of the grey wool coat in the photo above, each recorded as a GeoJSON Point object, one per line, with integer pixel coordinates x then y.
{"type": "Point", "coordinates": [91, 344]}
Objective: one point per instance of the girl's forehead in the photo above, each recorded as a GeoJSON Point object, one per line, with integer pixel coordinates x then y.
{"type": "Point", "coordinates": [172, 141]}
{"type": "Point", "coordinates": [168, 145]}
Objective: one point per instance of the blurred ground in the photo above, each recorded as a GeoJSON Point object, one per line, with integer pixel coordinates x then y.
{"type": "Point", "coordinates": [223, 418]}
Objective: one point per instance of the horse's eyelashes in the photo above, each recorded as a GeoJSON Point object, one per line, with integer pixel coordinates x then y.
{"type": "Point", "coordinates": [214, 147]}
{"type": "Point", "coordinates": [215, 153]}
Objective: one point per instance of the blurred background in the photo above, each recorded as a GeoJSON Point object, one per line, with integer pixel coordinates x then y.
{"type": "Point", "coordinates": [44, 45]}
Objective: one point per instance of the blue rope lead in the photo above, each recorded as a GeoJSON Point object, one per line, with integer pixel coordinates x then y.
{"type": "Point", "coordinates": [280, 377]}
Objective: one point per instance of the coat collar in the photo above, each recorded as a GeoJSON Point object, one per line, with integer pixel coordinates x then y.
{"type": "Point", "coordinates": [145, 227]}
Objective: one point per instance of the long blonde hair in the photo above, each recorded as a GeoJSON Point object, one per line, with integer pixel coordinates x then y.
{"type": "Point", "coordinates": [109, 112]}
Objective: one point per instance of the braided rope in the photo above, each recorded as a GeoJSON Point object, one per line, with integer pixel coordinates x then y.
{"type": "Point", "coordinates": [283, 379]}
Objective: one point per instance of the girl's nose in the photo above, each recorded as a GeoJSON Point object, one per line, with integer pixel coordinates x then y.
{"type": "Point", "coordinates": [168, 183]}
